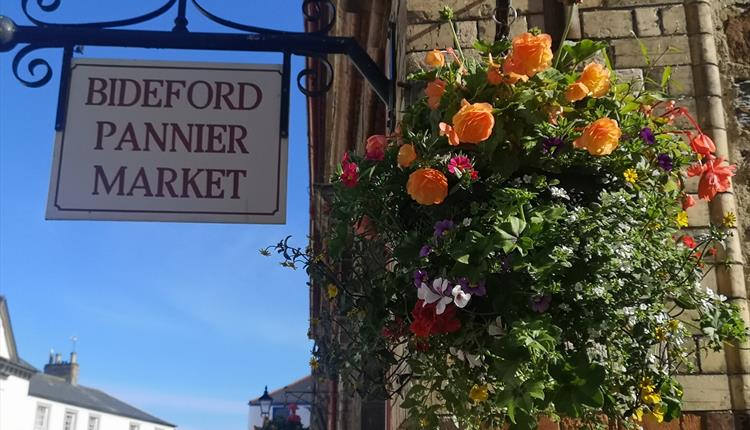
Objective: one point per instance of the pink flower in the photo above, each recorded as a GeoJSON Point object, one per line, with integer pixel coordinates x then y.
{"type": "Point", "coordinates": [461, 164]}
{"type": "Point", "coordinates": [375, 147]}
{"type": "Point", "coordinates": [349, 172]}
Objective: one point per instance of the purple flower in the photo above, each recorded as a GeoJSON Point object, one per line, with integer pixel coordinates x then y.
{"type": "Point", "coordinates": [443, 227]}
{"type": "Point", "coordinates": [665, 162]}
{"type": "Point", "coordinates": [475, 289]}
{"type": "Point", "coordinates": [552, 145]}
{"type": "Point", "coordinates": [540, 303]}
{"type": "Point", "coordinates": [425, 251]}
{"type": "Point", "coordinates": [648, 136]}
{"type": "Point", "coordinates": [420, 277]}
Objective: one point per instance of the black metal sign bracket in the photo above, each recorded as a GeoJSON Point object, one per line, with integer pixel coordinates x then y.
{"type": "Point", "coordinates": [70, 37]}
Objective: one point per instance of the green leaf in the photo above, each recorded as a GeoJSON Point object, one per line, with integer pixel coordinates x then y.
{"type": "Point", "coordinates": [463, 259]}
{"type": "Point", "coordinates": [516, 226]}
{"type": "Point", "coordinates": [574, 53]}
{"type": "Point", "coordinates": [665, 77]}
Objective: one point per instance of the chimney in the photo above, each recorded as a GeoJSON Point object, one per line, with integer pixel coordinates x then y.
{"type": "Point", "coordinates": [67, 370]}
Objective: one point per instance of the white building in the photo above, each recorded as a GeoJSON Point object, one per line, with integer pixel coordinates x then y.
{"type": "Point", "coordinates": [298, 393]}
{"type": "Point", "coordinates": [53, 400]}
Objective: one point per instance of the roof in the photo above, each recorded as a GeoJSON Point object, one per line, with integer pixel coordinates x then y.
{"type": "Point", "coordinates": [299, 392]}
{"type": "Point", "coordinates": [56, 389]}
{"type": "Point", "coordinates": [13, 365]}
{"type": "Point", "coordinates": [5, 317]}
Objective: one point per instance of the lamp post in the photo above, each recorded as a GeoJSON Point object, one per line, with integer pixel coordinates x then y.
{"type": "Point", "coordinates": [265, 404]}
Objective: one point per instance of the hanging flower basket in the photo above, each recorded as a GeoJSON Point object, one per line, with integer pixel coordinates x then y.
{"type": "Point", "coordinates": [515, 251]}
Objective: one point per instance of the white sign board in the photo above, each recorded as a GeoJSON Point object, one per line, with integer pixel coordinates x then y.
{"type": "Point", "coordinates": [164, 141]}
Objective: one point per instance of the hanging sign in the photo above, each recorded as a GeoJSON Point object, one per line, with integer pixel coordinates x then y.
{"type": "Point", "coordinates": [164, 141]}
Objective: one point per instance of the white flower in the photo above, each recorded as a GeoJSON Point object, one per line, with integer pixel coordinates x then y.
{"type": "Point", "coordinates": [473, 360]}
{"type": "Point", "coordinates": [527, 178]}
{"type": "Point", "coordinates": [496, 327]}
{"type": "Point", "coordinates": [460, 297]}
{"type": "Point", "coordinates": [466, 222]}
{"type": "Point", "coordinates": [559, 193]}
{"type": "Point", "coordinates": [435, 294]}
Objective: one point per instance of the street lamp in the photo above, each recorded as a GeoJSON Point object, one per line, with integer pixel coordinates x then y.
{"type": "Point", "coordinates": [265, 403]}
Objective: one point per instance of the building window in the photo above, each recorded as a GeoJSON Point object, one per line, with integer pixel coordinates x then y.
{"type": "Point", "coordinates": [93, 422]}
{"type": "Point", "coordinates": [41, 420]}
{"type": "Point", "coordinates": [135, 426]}
{"type": "Point", "coordinates": [70, 420]}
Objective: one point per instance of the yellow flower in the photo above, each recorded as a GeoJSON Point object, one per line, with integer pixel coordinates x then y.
{"type": "Point", "coordinates": [479, 393]}
{"type": "Point", "coordinates": [631, 176]}
{"type": "Point", "coordinates": [314, 364]}
{"type": "Point", "coordinates": [682, 219]}
{"type": "Point", "coordinates": [730, 220]}
{"type": "Point", "coordinates": [658, 414]}
{"type": "Point", "coordinates": [332, 291]}
{"type": "Point", "coordinates": [648, 393]}
{"type": "Point", "coordinates": [673, 325]}
{"type": "Point", "coordinates": [660, 334]}
{"type": "Point", "coordinates": [638, 414]}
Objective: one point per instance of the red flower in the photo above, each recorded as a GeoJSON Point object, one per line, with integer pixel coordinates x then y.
{"type": "Point", "coordinates": [394, 329]}
{"type": "Point", "coordinates": [427, 322]}
{"type": "Point", "coordinates": [687, 202]}
{"type": "Point", "coordinates": [703, 144]}
{"type": "Point", "coordinates": [689, 241]}
{"type": "Point", "coordinates": [350, 172]}
{"type": "Point", "coordinates": [715, 178]}
{"type": "Point", "coordinates": [375, 147]}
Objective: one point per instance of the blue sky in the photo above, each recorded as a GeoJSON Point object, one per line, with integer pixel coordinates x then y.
{"type": "Point", "coordinates": [186, 321]}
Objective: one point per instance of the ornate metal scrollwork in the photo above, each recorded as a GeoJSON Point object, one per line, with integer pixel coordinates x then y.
{"type": "Point", "coordinates": [310, 73]}
{"type": "Point", "coordinates": [55, 4]}
{"type": "Point", "coordinates": [32, 67]}
{"type": "Point", "coordinates": [313, 10]}
{"type": "Point", "coordinates": [316, 10]}
{"type": "Point", "coordinates": [314, 42]}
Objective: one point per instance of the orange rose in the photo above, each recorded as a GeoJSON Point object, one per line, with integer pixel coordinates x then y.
{"type": "Point", "coordinates": [435, 58]}
{"type": "Point", "coordinates": [576, 91]}
{"type": "Point", "coordinates": [406, 155]}
{"type": "Point", "coordinates": [434, 92]}
{"type": "Point", "coordinates": [530, 55]}
{"type": "Point", "coordinates": [427, 186]}
{"type": "Point", "coordinates": [596, 78]}
{"type": "Point", "coordinates": [601, 137]}
{"type": "Point", "coordinates": [473, 123]}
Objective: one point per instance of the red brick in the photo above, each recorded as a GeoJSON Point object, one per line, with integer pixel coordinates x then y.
{"type": "Point", "coordinates": [691, 422]}
{"type": "Point", "coordinates": [720, 421]}
{"type": "Point", "coordinates": [649, 423]}
{"type": "Point", "coordinates": [570, 424]}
